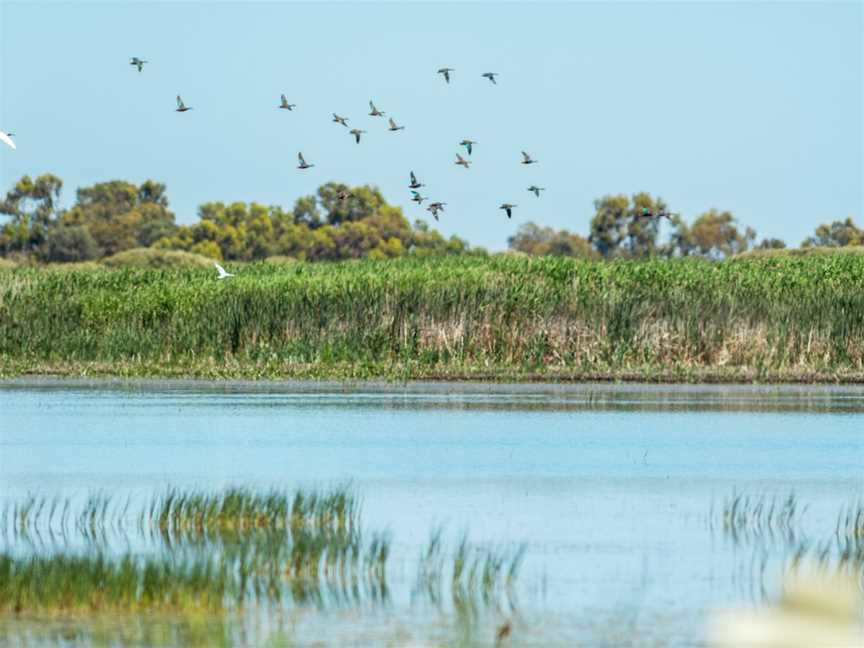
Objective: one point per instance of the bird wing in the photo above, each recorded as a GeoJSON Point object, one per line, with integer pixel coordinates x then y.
{"type": "Point", "coordinates": [284, 100]}
{"type": "Point", "coordinates": [413, 178]}
{"type": "Point", "coordinates": [392, 123]}
{"type": "Point", "coordinates": [220, 269]}
{"type": "Point", "coordinates": [372, 107]}
{"type": "Point", "coordinates": [300, 157]}
{"type": "Point", "coordinates": [459, 159]}
{"type": "Point", "coordinates": [7, 140]}
{"type": "Point", "coordinates": [525, 156]}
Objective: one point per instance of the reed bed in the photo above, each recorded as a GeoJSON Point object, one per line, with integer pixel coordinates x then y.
{"type": "Point", "coordinates": [761, 515]}
{"type": "Point", "coordinates": [793, 317]}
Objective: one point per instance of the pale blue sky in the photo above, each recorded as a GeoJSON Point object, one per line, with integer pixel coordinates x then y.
{"type": "Point", "coordinates": [752, 107]}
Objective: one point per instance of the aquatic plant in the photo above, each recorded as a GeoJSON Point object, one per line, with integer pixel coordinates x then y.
{"type": "Point", "coordinates": [792, 317]}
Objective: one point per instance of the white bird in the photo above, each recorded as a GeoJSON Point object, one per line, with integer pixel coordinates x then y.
{"type": "Point", "coordinates": [6, 138]}
{"type": "Point", "coordinates": [222, 273]}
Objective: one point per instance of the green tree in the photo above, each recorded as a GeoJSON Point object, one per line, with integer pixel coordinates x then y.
{"type": "Point", "coordinates": [837, 234]}
{"type": "Point", "coordinates": [714, 235]}
{"type": "Point", "coordinates": [771, 244]}
{"type": "Point", "coordinates": [67, 243]}
{"type": "Point", "coordinates": [536, 240]}
{"type": "Point", "coordinates": [618, 228]}
{"type": "Point", "coordinates": [32, 208]}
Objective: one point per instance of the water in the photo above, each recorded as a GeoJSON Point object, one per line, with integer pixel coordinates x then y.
{"type": "Point", "coordinates": [616, 490]}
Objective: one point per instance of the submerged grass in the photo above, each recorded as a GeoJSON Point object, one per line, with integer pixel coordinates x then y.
{"type": "Point", "coordinates": [500, 317]}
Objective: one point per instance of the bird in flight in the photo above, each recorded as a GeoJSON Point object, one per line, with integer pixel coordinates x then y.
{"type": "Point", "coordinates": [417, 198]}
{"type": "Point", "coordinates": [435, 207]}
{"type": "Point", "coordinates": [491, 76]}
{"type": "Point", "coordinates": [303, 164]}
{"type": "Point", "coordinates": [137, 62]}
{"type": "Point", "coordinates": [414, 184]}
{"type": "Point", "coordinates": [446, 72]}
{"type": "Point", "coordinates": [181, 107]}
{"type": "Point", "coordinates": [374, 111]}
{"type": "Point", "coordinates": [344, 195]}
{"type": "Point", "coordinates": [527, 159]}
{"type": "Point", "coordinates": [462, 161]}
{"type": "Point", "coordinates": [340, 120]}
{"type": "Point", "coordinates": [285, 105]}
{"type": "Point", "coordinates": [467, 144]}
{"type": "Point", "coordinates": [6, 138]}
{"type": "Point", "coordinates": [536, 190]}
{"type": "Point", "coordinates": [393, 126]}
{"type": "Point", "coordinates": [646, 212]}
{"type": "Point", "coordinates": [222, 273]}
{"type": "Point", "coordinates": [356, 132]}
{"type": "Point", "coordinates": [507, 207]}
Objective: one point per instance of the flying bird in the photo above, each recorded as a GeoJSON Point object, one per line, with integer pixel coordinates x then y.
{"type": "Point", "coordinates": [344, 195]}
{"type": "Point", "coordinates": [303, 164]}
{"type": "Point", "coordinates": [181, 107]}
{"type": "Point", "coordinates": [462, 161]}
{"type": "Point", "coordinates": [222, 273]}
{"type": "Point", "coordinates": [527, 159]}
{"type": "Point", "coordinates": [446, 72]}
{"type": "Point", "coordinates": [375, 112]}
{"type": "Point", "coordinates": [418, 198]}
{"type": "Point", "coordinates": [6, 138]}
{"type": "Point", "coordinates": [435, 207]}
{"type": "Point", "coordinates": [414, 184]}
{"type": "Point", "coordinates": [536, 190]}
{"type": "Point", "coordinates": [137, 62]}
{"type": "Point", "coordinates": [491, 76]}
{"type": "Point", "coordinates": [646, 212]}
{"type": "Point", "coordinates": [393, 126]}
{"type": "Point", "coordinates": [340, 120]}
{"type": "Point", "coordinates": [285, 105]}
{"type": "Point", "coordinates": [508, 208]}
{"type": "Point", "coordinates": [356, 132]}
{"type": "Point", "coordinates": [467, 144]}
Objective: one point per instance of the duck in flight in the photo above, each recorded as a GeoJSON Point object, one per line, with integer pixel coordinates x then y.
{"type": "Point", "coordinates": [418, 198]}
{"type": "Point", "coordinates": [646, 212]}
{"type": "Point", "coordinates": [222, 273]}
{"type": "Point", "coordinates": [462, 161]}
{"type": "Point", "coordinates": [507, 207]}
{"type": "Point", "coordinates": [137, 62]}
{"type": "Point", "coordinates": [435, 207]}
{"type": "Point", "coordinates": [340, 120]}
{"type": "Point", "coordinates": [491, 76]}
{"type": "Point", "coordinates": [374, 112]}
{"type": "Point", "coordinates": [344, 195]}
{"type": "Point", "coordinates": [527, 159]}
{"type": "Point", "coordinates": [303, 164]}
{"type": "Point", "coordinates": [6, 138]}
{"type": "Point", "coordinates": [536, 190]}
{"type": "Point", "coordinates": [446, 72]}
{"type": "Point", "coordinates": [285, 105]}
{"type": "Point", "coordinates": [414, 184]}
{"type": "Point", "coordinates": [356, 132]}
{"type": "Point", "coordinates": [181, 107]}
{"type": "Point", "coordinates": [393, 126]}
{"type": "Point", "coordinates": [468, 144]}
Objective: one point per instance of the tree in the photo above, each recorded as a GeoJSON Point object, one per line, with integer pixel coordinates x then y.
{"type": "Point", "coordinates": [619, 230]}
{"type": "Point", "coordinates": [67, 243]}
{"type": "Point", "coordinates": [535, 240]}
{"type": "Point", "coordinates": [121, 215]}
{"type": "Point", "coordinates": [771, 244]}
{"type": "Point", "coordinates": [714, 235]}
{"type": "Point", "coordinates": [31, 206]}
{"type": "Point", "coordinates": [837, 234]}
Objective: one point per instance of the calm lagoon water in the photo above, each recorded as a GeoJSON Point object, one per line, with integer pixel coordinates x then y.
{"type": "Point", "coordinates": [615, 490]}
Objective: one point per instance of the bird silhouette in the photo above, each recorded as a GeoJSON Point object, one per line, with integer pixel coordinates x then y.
{"type": "Point", "coordinates": [491, 76]}
{"type": "Point", "coordinates": [137, 62]}
{"type": "Point", "coordinates": [414, 184]}
{"type": "Point", "coordinates": [468, 144]}
{"type": "Point", "coordinates": [435, 207]}
{"type": "Point", "coordinates": [418, 198]}
{"type": "Point", "coordinates": [536, 190]}
{"type": "Point", "coordinates": [356, 132]}
{"type": "Point", "coordinates": [393, 126]}
{"type": "Point", "coordinates": [462, 161]}
{"type": "Point", "coordinates": [340, 120]}
{"type": "Point", "coordinates": [507, 207]}
{"type": "Point", "coordinates": [303, 164]}
{"type": "Point", "coordinates": [527, 159]}
{"type": "Point", "coordinates": [285, 105]}
{"type": "Point", "coordinates": [222, 272]}
{"type": "Point", "coordinates": [374, 111]}
{"type": "Point", "coordinates": [446, 72]}
{"type": "Point", "coordinates": [181, 107]}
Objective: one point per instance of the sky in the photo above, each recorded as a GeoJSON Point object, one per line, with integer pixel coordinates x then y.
{"type": "Point", "coordinates": [756, 108]}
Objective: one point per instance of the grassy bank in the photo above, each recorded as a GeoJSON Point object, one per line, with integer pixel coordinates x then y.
{"type": "Point", "coordinates": [508, 318]}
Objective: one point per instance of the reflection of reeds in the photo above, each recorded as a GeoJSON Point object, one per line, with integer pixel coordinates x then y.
{"type": "Point", "coordinates": [761, 515]}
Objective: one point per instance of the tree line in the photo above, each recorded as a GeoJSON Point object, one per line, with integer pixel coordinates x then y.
{"type": "Point", "coordinates": [340, 222]}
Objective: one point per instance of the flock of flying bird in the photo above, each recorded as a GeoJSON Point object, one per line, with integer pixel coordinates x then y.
{"type": "Point", "coordinates": [435, 206]}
